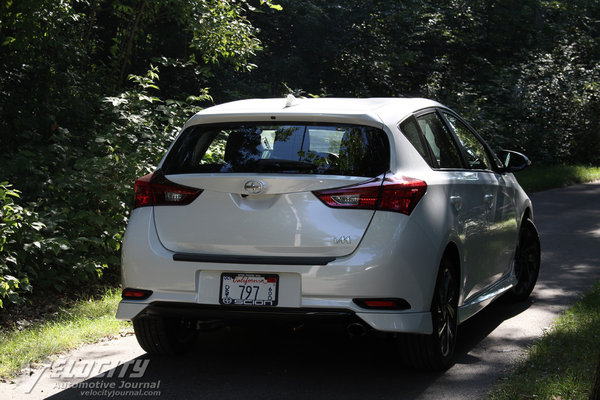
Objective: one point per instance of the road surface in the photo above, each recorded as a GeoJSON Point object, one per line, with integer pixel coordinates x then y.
{"type": "Point", "coordinates": [324, 364]}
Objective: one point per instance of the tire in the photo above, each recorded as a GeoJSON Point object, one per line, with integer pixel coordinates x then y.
{"type": "Point", "coordinates": [159, 335]}
{"type": "Point", "coordinates": [436, 351]}
{"type": "Point", "coordinates": [527, 262]}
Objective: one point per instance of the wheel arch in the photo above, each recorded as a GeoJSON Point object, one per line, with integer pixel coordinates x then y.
{"type": "Point", "coordinates": [524, 209]}
{"type": "Point", "coordinates": [527, 214]}
{"type": "Point", "coordinates": [452, 253]}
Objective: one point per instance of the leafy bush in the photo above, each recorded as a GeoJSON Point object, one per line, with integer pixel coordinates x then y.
{"type": "Point", "coordinates": [91, 198]}
{"type": "Point", "coordinates": [17, 225]}
{"type": "Point", "coordinates": [85, 198]}
{"type": "Point", "coordinates": [73, 152]}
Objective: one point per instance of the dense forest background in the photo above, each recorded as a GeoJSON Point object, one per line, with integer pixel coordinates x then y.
{"type": "Point", "coordinates": [92, 92]}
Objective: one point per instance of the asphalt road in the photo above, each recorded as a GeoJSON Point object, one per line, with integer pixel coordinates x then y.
{"type": "Point", "coordinates": [324, 363]}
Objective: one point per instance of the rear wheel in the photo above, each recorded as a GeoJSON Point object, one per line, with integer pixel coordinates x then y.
{"type": "Point", "coordinates": [160, 335]}
{"type": "Point", "coordinates": [436, 351]}
{"type": "Point", "coordinates": [527, 262]}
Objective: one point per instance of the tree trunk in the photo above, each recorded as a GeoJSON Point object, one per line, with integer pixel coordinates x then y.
{"type": "Point", "coordinates": [129, 47]}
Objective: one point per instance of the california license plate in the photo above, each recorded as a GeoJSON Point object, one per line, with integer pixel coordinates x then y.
{"type": "Point", "coordinates": [249, 289]}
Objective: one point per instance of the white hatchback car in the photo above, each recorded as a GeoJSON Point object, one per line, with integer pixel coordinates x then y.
{"type": "Point", "coordinates": [387, 214]}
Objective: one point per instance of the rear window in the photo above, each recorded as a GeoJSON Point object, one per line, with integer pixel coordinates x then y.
{"type": "Point", "coordinates": [280, 148]}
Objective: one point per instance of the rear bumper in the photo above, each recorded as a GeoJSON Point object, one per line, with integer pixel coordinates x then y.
{"type": "Point", "coordinates": [393, 260]}
{"type": "Point", "coordinates": [385, 322]}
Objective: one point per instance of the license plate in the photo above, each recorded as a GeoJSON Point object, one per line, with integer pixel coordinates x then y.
{"type": "Point", "coordinates": [249, 289]}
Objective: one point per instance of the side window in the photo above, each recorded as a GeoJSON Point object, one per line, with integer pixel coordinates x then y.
{"type": "Point", "coordinates": [445, 152]}
{"type": "Point", "coordinates": [475, 153]}
{"type": "Point", "coordinates": [410, 129]}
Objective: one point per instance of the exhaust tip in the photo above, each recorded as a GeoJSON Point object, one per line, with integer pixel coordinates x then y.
{"type": "Point", "coordinates": [356, 330]}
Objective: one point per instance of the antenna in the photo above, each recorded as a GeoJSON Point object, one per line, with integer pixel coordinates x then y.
{"type": "Point", "coordinates": [290, 100]}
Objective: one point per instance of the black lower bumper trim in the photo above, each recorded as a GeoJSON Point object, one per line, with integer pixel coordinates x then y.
{"type": "Point", "coordinates": [236, 313]}
{"type": "Point", "coordinates": [267, 260]}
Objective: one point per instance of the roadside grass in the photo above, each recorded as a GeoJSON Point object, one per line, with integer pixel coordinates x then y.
{"type": "Point", "coordinates": [85, 321]}
{"type": "Point", "coordinates": [542, 177]}
{"type": "Point", "coordinates": [561, 364]}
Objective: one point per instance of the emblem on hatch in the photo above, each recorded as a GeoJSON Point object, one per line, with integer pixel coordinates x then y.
{"type": "Point", "coordinates": [254, 187]}
{"type": "Point", "coordinates": [342, 240]}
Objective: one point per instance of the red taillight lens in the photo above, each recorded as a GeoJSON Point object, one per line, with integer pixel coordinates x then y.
{"type": "Point", "coordinates": [401, 194]}
{"type": "Point", "coordinates": [365, 195]}
{"type": "Point", "coordinates": [383, 304]}
{"type": "Point", "coordinates": [135, 294]}
{"type": "Point", "coordinates": [155, 190]}
{"type": "Point", "coordinates": [393, 194]}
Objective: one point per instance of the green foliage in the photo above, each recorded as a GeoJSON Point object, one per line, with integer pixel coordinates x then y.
{"type": "Point", "coordinates": [86, 196]}
{"type": "Point", "coordinates": [525, 73]}
{"type": "Point", "coordinates": [18, 227]}
{"type": "Point", "coordinates": [542, 177]}
{"type": "Point", "coordinates": [77, 133]}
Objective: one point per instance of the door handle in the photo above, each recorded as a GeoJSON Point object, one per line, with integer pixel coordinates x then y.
{"type": "Point", "coordinates": [489, 200]}
{"type": "Point", "coordinates": [456, 201]}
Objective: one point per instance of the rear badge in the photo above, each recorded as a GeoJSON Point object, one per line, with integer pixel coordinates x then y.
{"type": "Point", "coordinates": [342, 240]}
{"type": "Point", "coordinates": [254, 187]}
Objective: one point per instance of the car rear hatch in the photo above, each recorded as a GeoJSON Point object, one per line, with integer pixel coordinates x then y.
{"type": "Point", "coordinates": [258, 182]}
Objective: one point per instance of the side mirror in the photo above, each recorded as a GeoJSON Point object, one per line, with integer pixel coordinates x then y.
{"type": "Point", "coordinates": [513, 161]}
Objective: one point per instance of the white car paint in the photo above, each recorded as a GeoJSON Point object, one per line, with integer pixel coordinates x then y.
{"type": "Point", "coordinates": [388, 254]}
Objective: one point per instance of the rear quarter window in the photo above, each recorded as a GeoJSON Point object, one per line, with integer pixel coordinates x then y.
{"type": "Point", "coordinates": [411, 131]}
{"type": "Point", "coordinates": [330, 149]}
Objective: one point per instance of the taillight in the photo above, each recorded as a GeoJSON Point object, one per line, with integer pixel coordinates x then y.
{"type": "Point", "coordinates": [365, 195]}
{"type": "Point", "coordinates": [401, 194]}
{"type": "Point", "coordinates": [156, 190]}
{"type": "Point", "coordinates": [383, 304]}
{"type": "Point", "coordinates": [393, 194]}
{"type": "Point", "coordinates": [135, 294]}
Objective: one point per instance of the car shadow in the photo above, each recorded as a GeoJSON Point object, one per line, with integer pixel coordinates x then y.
{"type": "Point", "coordinates": [473, 331]}
{"type": "Point", "coordinates": [271, 363]}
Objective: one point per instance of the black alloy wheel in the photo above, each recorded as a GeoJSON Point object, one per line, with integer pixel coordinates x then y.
{"type": "Point", "coordinates": [435, 352]}
{"type": "Point", "coordinates": [445, 312]}
{"type": "Point", "coordinates": [527, 262]}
